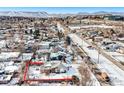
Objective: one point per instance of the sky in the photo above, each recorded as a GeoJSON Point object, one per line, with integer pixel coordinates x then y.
{"type": "Point", "coordinates": [64, 9]}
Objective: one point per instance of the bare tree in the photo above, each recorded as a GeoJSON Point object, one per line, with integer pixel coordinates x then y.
{"type": "Point", "coordinates": [85, 74]}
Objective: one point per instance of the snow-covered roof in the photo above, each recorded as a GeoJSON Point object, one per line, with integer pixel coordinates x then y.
{"type": "Point", "coordinates": [26, 56]}
{"type": "Point", "coordinates": [11, 68]}
{"type": "Point", "coordinates": [6, 55]}
{"type": "Point", "coordinates": [2, 43]}
{"type": "Point", "coordinates": [121, 38]}
{"type": "Point", "coordinates": [44, 43]}
{"type": "Point", "coordinates": [5, 78]}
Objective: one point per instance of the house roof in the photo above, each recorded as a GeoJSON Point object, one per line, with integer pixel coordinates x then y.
{"type": "Point", "coordinates": [6, 55]}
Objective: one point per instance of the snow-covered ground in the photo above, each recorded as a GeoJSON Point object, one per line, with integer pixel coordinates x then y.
{"type": "Point", "coordinates": [115, 73]}
{"type": "Point", "coordinates": [79, 42]}
{"type": "Point", "coordinates": [115, 55]}
{"type": "Point", "coordinates": [89, 26]}
{"type": "Point", "coordinates": [35, 72]}
{"type": "Point", "coordinates": [119, 58]}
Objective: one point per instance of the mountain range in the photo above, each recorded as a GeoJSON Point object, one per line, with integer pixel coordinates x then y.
{"type": "Point", "coordinates": [46, 15]}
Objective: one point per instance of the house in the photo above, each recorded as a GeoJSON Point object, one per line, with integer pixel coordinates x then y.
{"type": "Point", "coordinates": [11, 69]}
{"type": "Point", "coordinates": [26, 56]}
{"type": "Point", "coordinates": [120, 50]}
{"type": "Point", "coordinates": [5, 79]}
{"type": "Point", "coordinates": [98, 38]}
{"type": "Point", "coordinates": [2, 43]}
{"type": "Point", "coordinates": [9, 55]}
{"type": "Point", "coordinates": [56, 56]}
{"type": "Point", "coordinates": [1, 71]}
{"type": "Point", "coordinates": [112, 47]}
{"type": "Point", "coordinates": [44, 45]}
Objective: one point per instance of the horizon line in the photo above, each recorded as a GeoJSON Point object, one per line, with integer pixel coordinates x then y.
{"type": "Point", "coordinates": [61, 10]}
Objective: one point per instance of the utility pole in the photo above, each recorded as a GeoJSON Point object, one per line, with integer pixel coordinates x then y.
{"type": "Point", "coordinates": [98, 55]}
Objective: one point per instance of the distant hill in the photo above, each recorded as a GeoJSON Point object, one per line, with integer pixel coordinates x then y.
{"type": "Point", "coordinates": [25, 14]}
{"type": "Point", "coordinates": [46, 15]}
